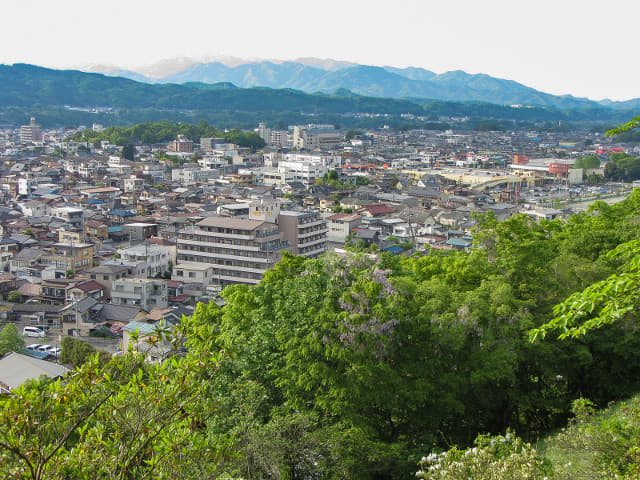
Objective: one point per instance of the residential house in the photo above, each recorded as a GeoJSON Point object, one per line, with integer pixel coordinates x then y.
{"type": "Point", "coordinates": [97, 229]}
{"type": "Point", "coordinates": [341, 225]}
{"type": "Point", "coordinates": [156, 258]}
{"type": "Point", "coordinates": [144, 292]}
{"type": "Point", "coordinates": [106, 275]}
{"type": "Point", "coordinates": [69, 257]}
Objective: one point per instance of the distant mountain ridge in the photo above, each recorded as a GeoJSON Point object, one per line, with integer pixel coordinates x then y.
{"type": "Point", "coordinates": [27, 89]}
{"type": "Point", "coordinates": [312, 75]}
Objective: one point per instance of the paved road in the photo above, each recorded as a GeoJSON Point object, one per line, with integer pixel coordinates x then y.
{"type": "Point", "coordinates": [583, 206]}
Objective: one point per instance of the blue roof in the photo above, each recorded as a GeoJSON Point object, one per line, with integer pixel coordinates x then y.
{"type": "Point", "coordinates": [142, 328]}
{"type": "Point", "coordinates": [121, 213]}
{"type": "Point", "coordinates": [394, 249]}
{"type": "Point", "coordinates": [116, 228]}
{"type": "Point", "coordinates": [95, 201]}
{"type": "Point", "coordinates": [458, 242]}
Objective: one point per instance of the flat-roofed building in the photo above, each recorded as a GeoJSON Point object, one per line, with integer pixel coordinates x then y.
{"type": "Point", "coordinates": [240, 251]}
{"type": "Point", "coordinates": [30, 133]}
{"type": "Point", "coordinates": [147, 293]}
{"type": "Point", "coordinates": [306, 231]}
{"type": "Point", "coordinates": [340, 225]}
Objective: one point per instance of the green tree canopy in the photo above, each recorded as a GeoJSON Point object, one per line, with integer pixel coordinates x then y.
{"type": "Point", "coordinates": [10, 339]}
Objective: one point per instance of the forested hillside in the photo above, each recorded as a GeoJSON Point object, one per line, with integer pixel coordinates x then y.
{"type": "Point", "coordinates": [353, 366]}
{"type": "Point", "coordinates": [67, 97]}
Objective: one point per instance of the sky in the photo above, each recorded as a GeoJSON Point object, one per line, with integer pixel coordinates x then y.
{"type": "Point", "coordinates": [583, 48]}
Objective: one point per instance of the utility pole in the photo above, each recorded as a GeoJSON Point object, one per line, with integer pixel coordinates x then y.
{"type": "Point", "coordinates": [77, 322]}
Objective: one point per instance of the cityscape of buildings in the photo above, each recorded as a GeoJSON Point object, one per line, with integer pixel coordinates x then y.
{"type": "Point", "coordinates": [91, 240]}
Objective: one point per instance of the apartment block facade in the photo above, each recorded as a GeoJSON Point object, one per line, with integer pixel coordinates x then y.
{"type": "Point", "coordinates": [144, 292]}
{"type": "Point", "coordinates": [306, 231]}
{"type": "Point", "coordinates": [240, 250]}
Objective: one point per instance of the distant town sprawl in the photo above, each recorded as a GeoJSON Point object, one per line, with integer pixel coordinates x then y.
{"type": "Point", "coordinates": [100, 239]}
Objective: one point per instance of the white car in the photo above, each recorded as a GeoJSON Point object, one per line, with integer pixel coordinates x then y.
{"type": "Point", "coordinates": [33, 332]}
{"type": "Point", "coordinates": [33, 346]}
{"type": "Point", "coordinates": [55, 351]}
{"type": "Point", "coordinates": [44, 348]}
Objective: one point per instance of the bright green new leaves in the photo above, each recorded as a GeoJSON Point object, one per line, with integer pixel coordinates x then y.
{"type": "Point", "coordinates": [125, 420]}
{"type": "Point", "coordinates": [601, 303]}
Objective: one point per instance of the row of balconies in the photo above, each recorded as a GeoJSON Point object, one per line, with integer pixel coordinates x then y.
{"type": "Point", "coordinates": [315, 231]}
{"type": "Point", "coordinates": [227, 256]}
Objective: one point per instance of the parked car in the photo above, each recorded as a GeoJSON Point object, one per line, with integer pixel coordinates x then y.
{"type": "Point", "coordinates": [55, 351]}
{"type": "Point", "coordinates": [33, 332]}
{"type": "Point", "coordinates": [44, 348]}
{"type": "Point", "coordinates": [33, 346]}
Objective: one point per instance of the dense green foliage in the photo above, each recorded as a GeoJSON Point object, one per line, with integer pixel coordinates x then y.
{"type": "Point", "coordinates": [413, 354]}
{"type": "Point", "coordinates": [123, 420]}
{"type": "Point", "coordinates": [163, 132]}
{"type": "Point", "coordinates": [622, 168]}
{"type": "Point", "coordinates": [595, 444]}
{"type": "Point", "coordinates": [10, 339]}
{"type": "Point", "coordinates": [590, 161]}
{"type": "Point", "coordinates": [332, 179]}
{"type": "Point", "coordinates": [357, 366]}
{"type": "Point", "coordinates": [76, 352]}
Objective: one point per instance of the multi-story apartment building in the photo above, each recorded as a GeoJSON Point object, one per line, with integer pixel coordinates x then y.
{"type": "Point", "coordinates": [64, 257]}
{"type": "Point", "coordinates": [181, 145]}
{"type": "Point", "coordinates": [71, 215]}
{"type": "Point", "coordinates": [156, 258]}
{"type": "Point", "coordinates": [147, 293]}
{"type": "Point", "coordinates": [30, 133]}
{"type": "Point", "coordinates": [187, 176]}
{"type": "Point", "coordinates": [306, 231]}
{"type": "Point", "coordinates": [239, 250]}
{"type": "Point", "coordinates": [340, 225]}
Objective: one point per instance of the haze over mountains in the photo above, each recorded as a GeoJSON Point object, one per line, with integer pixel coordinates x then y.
{"type": "Point", "coordinates": [313, 75]}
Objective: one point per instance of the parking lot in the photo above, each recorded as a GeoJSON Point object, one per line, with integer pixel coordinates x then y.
{"type": "Point", "coordinates": [54, 337]}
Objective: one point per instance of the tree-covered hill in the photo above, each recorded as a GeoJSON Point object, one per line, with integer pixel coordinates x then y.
{"type": "Point", "coordinates": [352, 366]}
{"type": "Point", "coordinates": [163, 132]}
{"type": "Point", "coordinates": [48, 93]}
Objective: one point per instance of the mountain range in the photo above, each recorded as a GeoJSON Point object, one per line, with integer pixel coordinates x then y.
{"type": "Point", "coordinates": [76, 97]}
{"type": "Point", "coordinates": [312, 75]}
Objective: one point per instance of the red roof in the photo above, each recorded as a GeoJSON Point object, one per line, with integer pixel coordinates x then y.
{"type": "Point", "coordinates": [380, 209]}
{"type": "Point", "coordinates": [90, 286]}
{"type": "Point", "coordinates": [179, 299]}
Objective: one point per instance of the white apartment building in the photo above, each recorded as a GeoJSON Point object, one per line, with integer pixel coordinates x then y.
{"type": "Point", "coordinates": [146, 293]}
{"type": "Point", "coordinates": [316, 136]}
{"type": "Point", "coordinates": [30, 133]}
{"type": "Point", "coordinates": [192, 272]}
{"type": "Point", "coordinates": [330, 161]}
{"type": "Point", "coordinates": [303, 169]}
{"type": "Point", "coordinates": [132, 184]}
{"type": "Point", "coordinates": [155, 258]}
{"type": "Point", "coordinates": [340, 225]}
{"type": "Point", "coordinates": [213, 161]}
{"type": "Point", "coordinates": [71, 215]}
{"type": "Point", "coordinates": [280, 138]}
{"type": "Point", "coordinates": [239, 250]}
{"type": "Point", "coordinates": [272, 176]}
{"type": "Point", "coordinates": [188, 176]}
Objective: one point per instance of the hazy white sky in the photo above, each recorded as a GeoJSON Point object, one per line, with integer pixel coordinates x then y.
{"type": "Point", "coordinates": [581, 47]}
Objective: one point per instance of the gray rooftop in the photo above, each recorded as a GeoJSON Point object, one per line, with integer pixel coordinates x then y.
{"type": "Point", "coordinates": [16, 369]}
